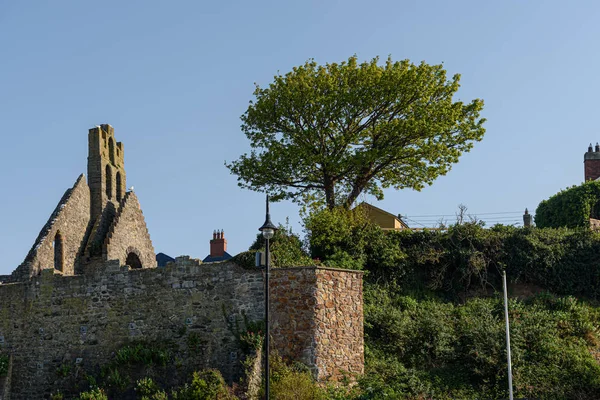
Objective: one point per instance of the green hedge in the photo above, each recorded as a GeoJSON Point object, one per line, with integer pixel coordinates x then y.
{"type": "Point", "coordinates": [570, 208]}
{"type": "Point", "coordinates": [435, 349]}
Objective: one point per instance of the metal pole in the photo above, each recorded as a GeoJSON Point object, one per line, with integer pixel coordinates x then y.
{"type": "Point", "coordinates": [267, 333]}
{"type": "Point", "coordinates": [510, 386]}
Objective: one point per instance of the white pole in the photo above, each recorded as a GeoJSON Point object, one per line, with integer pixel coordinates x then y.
{"type": "Point", "coordinates": [510, 387]}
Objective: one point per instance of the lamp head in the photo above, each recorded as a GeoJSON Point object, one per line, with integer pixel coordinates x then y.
{"type": "Point", "coordinates": [268, 229]}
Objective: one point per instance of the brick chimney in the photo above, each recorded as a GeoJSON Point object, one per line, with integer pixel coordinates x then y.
{"type": "Point", "coordinates": [591, 163]}
{"type": "Point", "coordinates": [218, 244]}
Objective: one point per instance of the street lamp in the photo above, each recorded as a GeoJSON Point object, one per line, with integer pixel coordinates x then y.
{"type": "Point", "coordinates": [268, 231]}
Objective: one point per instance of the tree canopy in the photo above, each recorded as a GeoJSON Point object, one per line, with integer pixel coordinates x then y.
{"type": "Point", "coordinates": [331, 132]}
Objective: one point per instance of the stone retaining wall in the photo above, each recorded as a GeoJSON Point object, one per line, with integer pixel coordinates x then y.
{"type": "Point", "coordinates": [80, 321]}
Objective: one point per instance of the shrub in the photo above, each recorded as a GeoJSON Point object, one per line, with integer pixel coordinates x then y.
{"type": "Point", "coordinates": [206, 385]}
{"type": "Point", "coordinates": [94, 394]}
{"type": "Point", "coordinates": [437, 349]}
{"type": "Point", "coordinates": [4, 361]}
{"type": "Point", "coordinates": [286, 248]}
{"type": "Point", "coordinates": [292, 382]}
{"type": "Point", "coordinates": [149, 390]}
{"type": "Point", "coordinates": [571, 208]}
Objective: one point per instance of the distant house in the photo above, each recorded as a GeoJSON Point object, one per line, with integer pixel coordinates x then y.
{"type": "Point", "coordinates": [162, 259]}
{"type": "Point", "coordinates": [387, 221]}
{"type": "Point", "coordinates": [218, 248]}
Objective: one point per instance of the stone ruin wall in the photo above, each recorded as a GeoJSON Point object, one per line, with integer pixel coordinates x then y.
{"type": "Point", "coordinates": [81, 320]}
{"type": "Point", "coordinates": [317, 318]}
{"type": "Point", "coordinates": [129, 233]}
{"type": "Point", "coordinates": [71, 217]}
{"type": "Point", "coordinates": [54, 320]}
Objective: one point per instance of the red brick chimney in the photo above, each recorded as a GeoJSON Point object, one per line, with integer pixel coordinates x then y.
{"type": "Point", "coordinates": [591, 163]}
{"type": "Point", "coordinates": [218, 244]}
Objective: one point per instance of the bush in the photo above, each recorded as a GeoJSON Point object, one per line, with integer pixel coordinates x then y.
{"type": "Point", "coordinates": [149, 390]}
{"type": "Point", "coordinates": [570, 208]}
{"type": "Point", "coordinates": [347, 239]}
{"type": "Point", "coordinates": [4, 361]}
{"type": "Point", "coordinates": [206, 385]}
{"type": "Point", "coordinates": [286, 248]}
{"type": "Point", "coordinates": [94, 394]}
{"type": "Point", "coordinates": [436, 349]}
{"type": "Point", "coordinates": [293, 382]}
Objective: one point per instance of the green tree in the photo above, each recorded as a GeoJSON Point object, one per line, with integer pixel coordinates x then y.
{"type": "Point", "coordinates": [329, 133]}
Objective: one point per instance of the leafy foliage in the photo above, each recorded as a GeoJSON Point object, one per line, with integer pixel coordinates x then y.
{"type": "Point", "coordinates": [291, 382]}
{"type": "Point", "coordinates": [206, 385]}
{"type": "Point", "coordinates": [435, 349]}
{"type": "Point", "coordinates": [465, 259]}
{"type": "Point", "coordinates": [4, 361]}
{"type": "Point", "coordinates": [286, 248]}
{"type": "Point", "coordinates": [570, 208]}
{"type": "Point", "coordinates": [335, 131]}
{"type": "Point", "coordinates": [94, 394]}
{"type": "Point", "coordinates": [344, 238]}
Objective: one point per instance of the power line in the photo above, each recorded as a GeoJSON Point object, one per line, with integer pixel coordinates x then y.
{"type": "Point", "coordinates": [470, 213]}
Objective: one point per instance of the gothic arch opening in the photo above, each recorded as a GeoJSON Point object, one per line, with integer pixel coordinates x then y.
{"type": "Point", "coordinates": [59, 252]}
{"type": "Point", "coordinates": [119, 194]}
{"type": "Point", "coordinates": [133, 260]}
{"type": "Point", "coordinates": [108, 182]}
{"type": "Point", "coordinates": [111, 150]}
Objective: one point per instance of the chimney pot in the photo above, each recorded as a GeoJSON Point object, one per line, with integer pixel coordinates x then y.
{"type": "Point", "coordinates": [218, 245]}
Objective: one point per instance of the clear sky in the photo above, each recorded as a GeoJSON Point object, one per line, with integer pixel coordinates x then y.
{"type": "Point", "coordinates": [173, 77]}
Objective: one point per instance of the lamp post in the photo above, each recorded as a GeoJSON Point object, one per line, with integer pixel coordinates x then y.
{"type": "Point", "coordinates": [268, 231]}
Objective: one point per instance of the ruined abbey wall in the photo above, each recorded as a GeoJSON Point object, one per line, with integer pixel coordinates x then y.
{"type": "Point", "coordinates": [69, 220]}
{"type": "Point", "coordinates": [129, 233]}
{"type": "Point", "coordinates": [80, 321]}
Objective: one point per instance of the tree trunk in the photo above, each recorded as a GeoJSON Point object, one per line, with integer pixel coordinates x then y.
{"type": "Point", "coordinates": [353, 195]}
{"type": "Point", "coordinates": [329, 192]}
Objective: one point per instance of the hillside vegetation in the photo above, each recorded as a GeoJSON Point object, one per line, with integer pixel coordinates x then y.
{"type": "Point", "coordinates": [433, 313]}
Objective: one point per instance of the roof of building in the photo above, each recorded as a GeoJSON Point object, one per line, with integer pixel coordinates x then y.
{"type": "Point", "coordinates": [224, 257]}
{"type": "Point", "coordinates": [162, 259]}
{"type": "Point", "coordinates": [365, 204]}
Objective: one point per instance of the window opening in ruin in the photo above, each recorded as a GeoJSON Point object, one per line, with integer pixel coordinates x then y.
{"type": "Point", "coordinates": [108, 182]}
{"type": "Point", "coordinates": [111, 150]}
{"type": "Point", "coordinates": [59, 255]}
{"type": "Point", "coordinates": [133, 260]}
{"type": "Point", "coordinates": [119, 194]}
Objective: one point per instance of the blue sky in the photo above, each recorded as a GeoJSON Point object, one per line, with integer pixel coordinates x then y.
{"type": "Point", "coordinates": [174, 77]}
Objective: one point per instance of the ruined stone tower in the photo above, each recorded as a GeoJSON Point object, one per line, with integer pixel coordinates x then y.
{"type": "Point", "coordinates": [95, 222]}
{"type": "Point", "coordinates": [106, 169]}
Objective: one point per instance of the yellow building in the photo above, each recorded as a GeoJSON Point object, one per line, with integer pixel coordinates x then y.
{"type": "Point", "coordinates": [387, 221]}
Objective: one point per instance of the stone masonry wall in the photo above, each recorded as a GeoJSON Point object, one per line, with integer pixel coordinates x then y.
{"type": "Point", "coordinates": [70, 218]}
{"type": "Point", "coordinates": [81, 320]}
{"type": "Point", "coordinates": [339, 324]}
{"type": "Point", "coordinates": [317, 318]}
{"type": "Point", "coordinates": [129, 233]}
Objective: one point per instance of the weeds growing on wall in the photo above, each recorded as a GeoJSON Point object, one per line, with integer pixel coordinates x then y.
{"type": "Point", "coordinates": [4, 361]}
